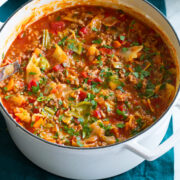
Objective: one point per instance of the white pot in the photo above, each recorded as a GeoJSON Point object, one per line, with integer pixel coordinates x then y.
{"type": "Point", "coordinates": [90, 163]}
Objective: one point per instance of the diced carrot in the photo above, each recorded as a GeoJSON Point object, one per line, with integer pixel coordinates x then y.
{"type": "Point", "coordinates": [116, 44]}
{"type": "Point", "coordinates": [38, 123]}
{"type": "Point", "coordinates": [130, 69]}
{"type": "Point", "coordinates": [84, 74]}
{"type": "Point", "coordinates": [149, 104]}
{"type": "Point", "coordinates": [10, 84]}
{"type": "Point", "coordinates": [54, 91]}
{"type": "Point", "coordinates": [115, 131]}
{"type": "Point", "coordinates": [106, 122]}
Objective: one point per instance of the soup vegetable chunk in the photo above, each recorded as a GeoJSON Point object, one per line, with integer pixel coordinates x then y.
{"type": "Point", "coordinates": [89, 76]}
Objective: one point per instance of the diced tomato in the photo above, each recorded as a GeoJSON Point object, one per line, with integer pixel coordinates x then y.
{"type": "Point", "coordinates": [83, 31]}
{"type": "Point", "coordinates": [84, 74]}
{"type": "Point", "coordinates": [98, 80]}
{"type": "Point", "coordinates": [105, 51]}
{"type": "Point", "coordinates": [58, 67]}
{"type": "Point", "coordinates": [35, 110]}
{"type": "Point", "coordinates": [120, 107]}
{"type": "Point", "coordinates": [89, 81]}
{"type": "Point", "coordinates": [23, 105]}
{"type": "Point", "coordinates": [31, 100]}
{"type": "Point", "coordinates": [122, 17]}
{"type": "Point", "coordinates": [58, 113]}
{"type": "Point", "coordinates": [57, 26]}
{"type": "Point", "coordinates": [97, 114]}
{"type": "Point", "coordinates": [18, 120]}
{"type": "Point", "coordinates": [82, 95]}
{"type": "Point", "coordinates": [32, 83]}
{"type": "Point", "coordinates": [127, 44]}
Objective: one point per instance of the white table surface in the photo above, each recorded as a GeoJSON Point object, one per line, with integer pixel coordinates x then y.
{"type": "Point", "coordinates": [173, 14]}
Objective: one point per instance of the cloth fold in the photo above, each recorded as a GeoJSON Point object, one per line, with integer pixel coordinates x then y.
{"type": "Point", "coordinates": [14, 165]}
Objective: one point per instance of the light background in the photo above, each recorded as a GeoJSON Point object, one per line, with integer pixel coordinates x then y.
{"type": "Point", "coordinates": [173, 14]}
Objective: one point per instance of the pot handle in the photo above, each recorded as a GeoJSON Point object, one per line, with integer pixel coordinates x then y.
{"type": "Point", "coordinates": [149, 155]}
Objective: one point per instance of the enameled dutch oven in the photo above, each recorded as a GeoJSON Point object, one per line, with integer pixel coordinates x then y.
{"type": "Point", "coordinates": [101, 162]}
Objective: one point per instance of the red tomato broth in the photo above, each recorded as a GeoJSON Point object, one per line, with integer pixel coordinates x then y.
{"type": "Point", "coordinates": [90, 76]}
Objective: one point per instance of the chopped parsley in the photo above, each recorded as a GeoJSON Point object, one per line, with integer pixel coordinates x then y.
{"type": "Point", "coordinates": [60, 118]}
{"type": "Point", "coordinates": [80, 120]}
{"type": "Point", "coordinates": [7, 97]}
{"type": "Point", "coordinates": [35, 89]}
{"type": "Point", "coordinates": [120, 88]}
{"type": "Point", "coordinates": [136, 74]}
{"type": "Point", "coordinates": [99, 58]}
{"type": "Point", "coordinates": [97, 41]}
{"type": "Point", "coordinates": [94, 104]}
{"type": "Point", "coordinates": [62, 42]}
{"type": "Point", "coordinates": [71, 99]}
{"type": "Point", "coordinates": [108, 47]}
{"type": "Point", "coordinates": [32, 73]}
{"type": "Point", "coordinates": [60, 102]}
{"type": "Point", "coordinates": [139, 122]}
{"type": "Point", "coordinates": [122, 113]}
{"type": "Point", "coordinates": [122, 38]}
{"type": "Point", "coordinates": [94, 29]}
{"type": "Point", "coordinates": [119, 125]}
{"type": "Point", "coordinates": [124, 49]}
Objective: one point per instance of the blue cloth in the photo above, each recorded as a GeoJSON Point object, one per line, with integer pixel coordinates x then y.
{"type": "Point", "coordinates": [15, 166]}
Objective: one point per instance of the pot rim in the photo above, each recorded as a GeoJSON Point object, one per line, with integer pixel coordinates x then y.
{"type": "Point", "coordinates": [2, 108]}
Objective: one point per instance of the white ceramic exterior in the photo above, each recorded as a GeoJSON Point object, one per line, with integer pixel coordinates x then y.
{"type": "Point", "coordinates": [94, 163]}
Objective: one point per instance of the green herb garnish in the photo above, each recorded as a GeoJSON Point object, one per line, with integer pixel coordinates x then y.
{"type": "Point", "coordinates": [97, 41]}
{"type": "Point", "coordinates": [124, 49]}
{"type": "Point", "coordinates": [119, 125]}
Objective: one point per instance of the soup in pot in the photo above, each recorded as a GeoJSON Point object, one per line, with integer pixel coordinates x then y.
{"type": "Point", "coordinates": [89, 76]}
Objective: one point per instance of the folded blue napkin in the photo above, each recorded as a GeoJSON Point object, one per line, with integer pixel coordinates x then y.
{"type": "Point", "coordinates": [15, 166]}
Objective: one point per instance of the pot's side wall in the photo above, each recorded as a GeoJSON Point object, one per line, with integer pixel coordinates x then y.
{"type": "Point", "coordinates": [85, 164]}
